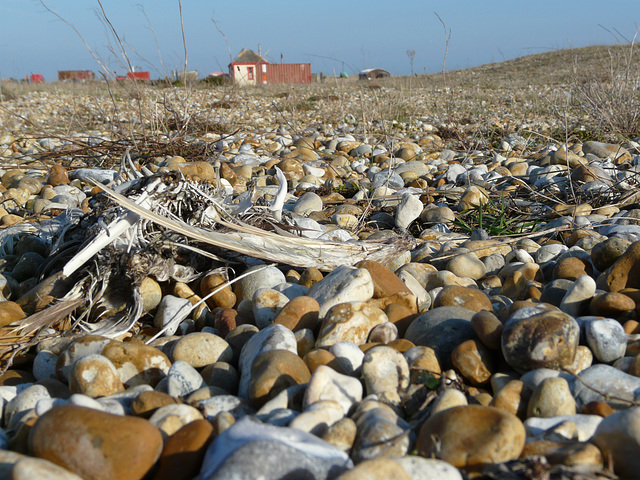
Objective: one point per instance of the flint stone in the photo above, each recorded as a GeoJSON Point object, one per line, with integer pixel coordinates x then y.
{"type": "Point", "coordinates": [274, 337]}
{"type": "Point", "coordinates": [606, 339]}
{"type": "Point", "coordinates": [442, 329]}
{"type": "Point", "coordinates": [605, 378]}
{"type": "Point", "coordinates": [586, 425]}
{"type": "Point", "coordinates": [618, 436]}
{"type": "Point", "coordinates": [344, 284]}
{"type": "Point", "coordinates": [247, 447]}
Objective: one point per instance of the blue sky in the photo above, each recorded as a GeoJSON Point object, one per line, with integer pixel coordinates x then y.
{"type": "Point", "coordinates": [330, 34]}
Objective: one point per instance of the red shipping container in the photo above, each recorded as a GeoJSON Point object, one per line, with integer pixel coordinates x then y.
{"type": "Point", "coordinates": [279, 73]}
{"type": "Point", "coordinates": [139, 75]}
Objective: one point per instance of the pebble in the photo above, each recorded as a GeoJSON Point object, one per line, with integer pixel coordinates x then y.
{"type": "Point", "coordinates": [327, 384]}
{"type": "Point", "coordinates": [541, 340]}
{"type": "Point", "coordinates": [472, 435]}
{"type": "Point", "coordinates": [344, 284]}
{"type": "Point", "coordinates": [618, 436]}
{"type": "Point", "coordinates": [200, 349]}
{"type": "Point", "coordinates": [112, 447]}
{"type": "Point", "coordinates": [349, 322]}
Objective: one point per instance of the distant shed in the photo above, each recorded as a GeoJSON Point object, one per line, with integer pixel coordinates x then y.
{"type": "Point", "coordinates": [373, 73]}
{"type": "Point", "coordinates": [249, 68]}
{"type": "Point", "coordinates": [75, 75]}
{"type": "Point", "coordinates": [139, 75]}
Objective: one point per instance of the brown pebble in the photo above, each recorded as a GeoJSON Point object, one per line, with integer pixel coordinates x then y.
{"type": "Point", "coordinates": [310, 276]}
{"type": "Point", "coordinates": [184, 451]}
{"type": "Point", "coordinates": [488, 328]}
{"type": "Point", "coordinates": [597, 408]}
{"type": "Point", "coordinates": [58, 176]}
{"type": "Point", "coordinates": [299, 313]}
{"type": "Point", "coordinates": [145, 404]}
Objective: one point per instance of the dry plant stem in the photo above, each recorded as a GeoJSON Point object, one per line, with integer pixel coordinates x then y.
{"type": "Point", "coordinates": [272, 247]}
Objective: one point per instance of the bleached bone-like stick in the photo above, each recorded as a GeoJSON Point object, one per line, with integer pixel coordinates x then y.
{"type": "Point", "coordinates": [108, 235]}
{"type": "Point", "coordinates": [278, 202]}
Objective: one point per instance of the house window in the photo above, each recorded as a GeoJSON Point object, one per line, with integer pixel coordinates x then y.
{"type": "Point", "coordinates": [250, 73]}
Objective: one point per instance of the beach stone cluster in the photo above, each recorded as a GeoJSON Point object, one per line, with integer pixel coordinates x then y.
{"type": "Point", "coordinates": [462, 352]}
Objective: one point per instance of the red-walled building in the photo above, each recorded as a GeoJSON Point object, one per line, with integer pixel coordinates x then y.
{"type": "Point", "coordinates": [249, 68]}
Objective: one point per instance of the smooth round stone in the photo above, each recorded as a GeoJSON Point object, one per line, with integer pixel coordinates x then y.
{"type": "Point", "coordinates": [606, 339]}
{"type": "Point", "coordinates": [376, 469]}
{"type": "Point", "coordinates": [422, 296]}
{"type": "Point", "coordinates": [512, 398]}
{"type": "Point", "coordinates": [385, 282]}
{"type": "Point", "coordinates": [58, 176]}
{"type": "Point", "coordinates": [542, 340]}
{"type": "Point", "coordinates": [212, 407]}
{"type": "Point", "coordinates": [348, 358]}
{"type": "Point", "coordinates": [307, 203]}
{"type": "Point", "coordinates": [44, 365]}
{"type": "Point", "coordinates": [620, 387]}
{"type": "Point", "coordinates": [408, 210]}
{"type": "Point", "coordinates": [548, 253]}
{"type": "Point", "coordinates": [386, 373]}
{"type": "Point", "coordinates": [95, 376]}
{"type": "Point", "coordinates": [349, 322]}
{"type": "Point", "coordinates": [183, 379]}
{"type": "Point", "coordinates": [137, 363]}
{"type": "Point", "coordinates": [171, 418]}
{"type": "Point", "coordinates": [344, 284]}
{"type": "Point", "coordinates": [260, 277]}
{"type": "Point", "coordinates": [585, 425]}
{"type": "Point", "coordinates": [420, 468]}
{"type": "Point", "coordinates": [266, 304]}
{"type": "Point", "coordinates": [298, 314]}
{"type": "Point", "coordinates": [625, 272]}
{"type": "Point", "coordinates": [474, 362]}
{"type": "Point", "coordinates": [551, 398]}
{"type": "Point", "coordinates": [583, 289]}
{"type": "Point", "coordinates": [28, 468]}
{"type": "Point", "coordinates": [151, 294]}
{"type": "Point", "coordinates": [327, 384]}
{"type": "Point", "coordinates": [611, 304]}
{"type": "Point", "coordinates": [171, 311]}
{"type": "Point", "coordinates": [200, 349]}
{"type": "Point", "coordinates": [604, 254]}
{"type": "Point", "coordinates": [450, 398]}
{"type": "Point", "coordinates": [472, 436]}
{"type": "Point", "coordinates": [441, 329]}
{"type": "Point", "coordinates": [146, 403]}
{"type": "Point", "coordinates": [385, 333]}
{"type": "Point", "coordinates": [341, 434]}
{"type": "Point", "coordinates": [224, 298]}
{"type": "Point", "coordinates": [184, 451]}
{"type": "Point", "coordinates": [25, 400]}
{"type": "Point", "coordinates": [247, 447]}
{"type": "Point", "coordinates": [618, 436]}
{"type": "Point", "coordinates": [274, 337]}
{"type": "Point", "coordinates": [380, 432]}
{"type": "Point", "coordinates": [222, 375]}
{"type": "Point", "coordinates": [432, 214]}
{"type": "Point", "coordinates": [463, 297]}
{"type": "Point", "coordinates": [10, 312]}
{"type": "Point", "coordinates": [273, 371]}
{"type": "Point", "coordinates": [467, 265]}
{"type": "Point", "coordinates": [97, 174]}
{"type": "Point", "coordinates": [318, 416]}
{"type": "Point", "coordinates": [488, 329]}
{"type": "Point", "coordinates": [94, 444]}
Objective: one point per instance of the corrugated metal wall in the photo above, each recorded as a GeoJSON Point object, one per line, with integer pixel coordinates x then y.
{"type": "Point", "coordinates": [278, 73]}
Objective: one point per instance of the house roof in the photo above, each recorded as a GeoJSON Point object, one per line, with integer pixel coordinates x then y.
{"type": "Point", "coordinates": [249, 56]}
